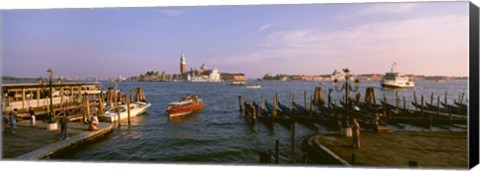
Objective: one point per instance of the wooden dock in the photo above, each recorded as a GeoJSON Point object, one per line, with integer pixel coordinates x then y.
{"type": "Point", "coordinates": [435, 150]}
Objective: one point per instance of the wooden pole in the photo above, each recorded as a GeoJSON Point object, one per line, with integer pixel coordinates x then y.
{"type": "Point", "coordinates": [254, 112]}
{"type": "Point", "coordinates": [240, 103]}
{"type": "Point", "coordinates": [431, 99]}
{"type": "Point", "coordinates": [447, 109]}
{"type": "Point", "coordinates": [415, 99]}
{"type": "Point", "coordinates": [116, 109]}
{"type": "Point", "coordinates": [404, 106]}
{"type": "Point", "coordinates": [131, 95]}
{"type": "Point", "coordinates": [305, 158]}
{"type": "Point", "coordinates": [274, 112]}
{"type": "Point", "coordinates": [374, 97]}
{"type": "Point", "coordinates": [422, 106]}
{"type": "Point", "coordinates": [367, 97]}
{"type": "Point", "coordinates": [320, 94]}
{"type": "Point", "coordinates": [329, 98]}
{"type": "Point", "coordinates": [88, 107]}
{"type": "Point", "coordinates": [438, 105]}
{"type": "Point", "coordinates": [311, 104]}
{"type": "Point", "coordinates": [128, 110]}
{"type": "Point", "coordinates": [293, 137]}
{"type": "Point", "coordinates": [305, 98]}
{"type": "Point", "coordinates": [397, 99]}
{"type": "Point", "coordinates": [61, 97]}
{"type": "Point", "coordinates": [277, 150]}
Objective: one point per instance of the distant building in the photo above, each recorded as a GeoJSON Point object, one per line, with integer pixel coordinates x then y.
{"type": "Point", "coordinates": [337, 75]}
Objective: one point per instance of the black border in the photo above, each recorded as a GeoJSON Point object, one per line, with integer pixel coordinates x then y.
{"type": "Point", "coordinates": [474, 82]}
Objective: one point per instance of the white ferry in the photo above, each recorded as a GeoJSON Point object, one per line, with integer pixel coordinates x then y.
{"type": "Point", "coordinates": [394, 80]}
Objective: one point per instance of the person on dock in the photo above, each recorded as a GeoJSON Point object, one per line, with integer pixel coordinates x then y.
{"type": "Point", "coordinates": [356, 133]}
{"type": "Point", "coordinates": [13, 120]}
{"type": "Point", "coordinates": [93, 123]}
{"type": "Point", "coordinates": [63, 127]}
{"type": "Point", "coordinates": [32, 117]}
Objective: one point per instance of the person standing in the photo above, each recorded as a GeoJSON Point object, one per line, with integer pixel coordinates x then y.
{"type": "Point", "coordinates": [356, 133]}
{"type": "Point", "coordinates": [63, 127]}
{"type": "Point", "coordinates": [32, 118]}
{"type": "Point", "coordinates": [94, 123]}
{"type": "Point", "coordinates": [13, 120]}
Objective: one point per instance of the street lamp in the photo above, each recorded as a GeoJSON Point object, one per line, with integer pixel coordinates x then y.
{"type": "Point", "coordinates": [51, 115]}
{"type": "Point", "coordinates": [347, 87]}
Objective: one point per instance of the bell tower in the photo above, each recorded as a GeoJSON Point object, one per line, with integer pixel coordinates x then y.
{"type": "Point", "coordinates": [183, 65]}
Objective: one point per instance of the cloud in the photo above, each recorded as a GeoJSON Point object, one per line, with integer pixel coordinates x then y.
{"type": "Point", "coordinates": [381, 9]}
{"type": "Point", "coordinates": [173, 13]}
{"type": "Point", "coordinates": [426, 45]}
{"type": "Point", "coordinates": [264, 27]}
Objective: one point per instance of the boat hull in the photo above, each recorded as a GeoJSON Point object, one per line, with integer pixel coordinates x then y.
{"type": "Point", "coordinates": [185, 110]}
{"type": "Point", "coordinates": [396, 86]}
{"type": "Point", "coordinates": [139, 109]}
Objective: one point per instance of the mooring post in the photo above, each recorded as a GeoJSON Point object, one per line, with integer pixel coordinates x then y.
{"type": "Point", "coordinates": [254, 113]}
{"type": "Point", "coordinates": [397, 99]}
{"type": "Point", "coordinates": [311, 104]}
{"type": "Point", "coordinates": [305, 98]}
{"type": "Point", "coordinates": [131, 95]}
{"type": "Point", "coordinates": [431, 99]}
{"type": "Point", "coordinates": [329, 98]}
{"type": "Point", "coordinates": [274, 112]}
{"type": "Point", "coordinates": [305, 158]}
{"type": "Point", "coordinates": [353, 158]}
{"type": "Point", "coordinates": [412, 164]}
{"type": "Point", "coordinates": [265, 157]}
{"type": "Point", "coordinates": [447, 109]}
{"type": "Point", "coordinates": [422, 107]}
{"type": "Point", "coordinates": [404, 106]}
{"type": "Point", "coordinates": [240, 103]}
{"type": "Point", "coordinates": [415, 99]}
{"type": "Point", "coordinates": [277, 150]}
{"type": "Point", "coordinates": [320, 94]}
{"type": "Point", "coordinates": [293, 137]}
{"type": "Point", "coordinates": [128, 110]}
{"type": "Point", "coordinates": [384, 98]}
{"type": "Point", "coordinates": [116, 109]}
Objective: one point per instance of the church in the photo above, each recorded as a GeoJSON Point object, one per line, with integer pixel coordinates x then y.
{"type": "Point", "coordinates": [198, 75]}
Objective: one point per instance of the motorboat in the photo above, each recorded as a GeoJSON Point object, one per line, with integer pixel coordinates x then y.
{"type": "Point", "coordinates": [185, 106]}
{"type": "Point", "coordinates": [253, 86]}
{"type": "Point", "coordinates": [136, 108]}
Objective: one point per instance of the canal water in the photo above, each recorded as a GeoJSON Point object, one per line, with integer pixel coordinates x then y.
{"type": "Point", "coordinates": [219, 133]}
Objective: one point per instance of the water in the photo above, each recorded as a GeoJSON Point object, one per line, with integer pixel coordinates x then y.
{"type": "Point", "coordinates": [219, 133]}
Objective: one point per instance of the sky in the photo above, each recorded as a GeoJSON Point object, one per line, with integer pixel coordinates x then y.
{"type": "Point", "coordinates": [425, 38]}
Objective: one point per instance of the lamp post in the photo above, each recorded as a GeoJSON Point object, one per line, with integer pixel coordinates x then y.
{"type": "Point", "coordinates": [51, 115]}
{"type": "Point", "coordinates": [347, 87]}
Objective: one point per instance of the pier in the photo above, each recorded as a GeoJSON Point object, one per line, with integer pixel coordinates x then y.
{"type": "Point", "coordinates": [36, 143]}
{"type": "Point", "coordinates": [446, 150]}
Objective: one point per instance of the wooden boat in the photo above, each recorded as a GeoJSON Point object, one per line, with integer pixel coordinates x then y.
{"type": "Point", "coordinates": [185, 106]}
{"type": "Point", "coordinates": [253, 86]}
{"type": "Point", "coordinates": [136, 108]}
{"type": "Point", "coordinates": [237, 83]}
{"type": "Point", "coordinates": [263, 114]}
{"type": "Point", "coordinates": [281, 118]}
{"type": "Point", "coordinates": [304, 116]}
